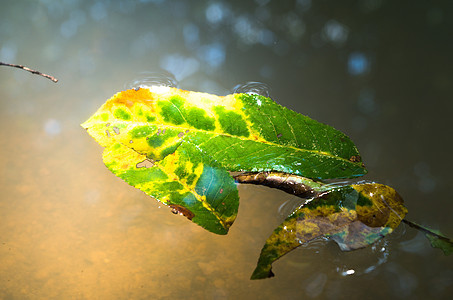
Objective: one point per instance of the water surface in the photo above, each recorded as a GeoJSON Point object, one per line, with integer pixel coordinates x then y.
{"type": "Point", "coordinates": [377, 70]}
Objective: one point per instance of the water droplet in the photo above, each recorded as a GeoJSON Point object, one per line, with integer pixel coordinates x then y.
{"type": "Point", "coordinates": [252, 88]}
{"type": "Point", "coordinates": [147, 79]}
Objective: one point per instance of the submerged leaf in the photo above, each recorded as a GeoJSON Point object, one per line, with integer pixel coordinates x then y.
{"type": "Point", "coordinates": [354, 216]}
{"type": "Point", "coordinates": [177, 146]}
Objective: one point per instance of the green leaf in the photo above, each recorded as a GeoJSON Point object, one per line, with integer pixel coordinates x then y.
{"type": "Point", "coordinates": [242, 132]}
{"type": "Point", "coordinates": [187, 181]}
{"type": "Point", "coordinates": [435, 237]}
{"type": "Point", "coordinates": [354, 216]}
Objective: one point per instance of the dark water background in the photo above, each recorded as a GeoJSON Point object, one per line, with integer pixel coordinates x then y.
{"type": "Point", "coordinates": [380, 71]}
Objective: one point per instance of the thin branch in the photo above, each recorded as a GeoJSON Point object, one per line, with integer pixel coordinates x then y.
{"type": "Point", "coordinates": [29, 70]}
{"type": "Point", "coordinates": [292, 184]}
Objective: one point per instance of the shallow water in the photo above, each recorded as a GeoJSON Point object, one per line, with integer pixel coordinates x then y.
{"type": "Point", "coordinates": [377, 70]}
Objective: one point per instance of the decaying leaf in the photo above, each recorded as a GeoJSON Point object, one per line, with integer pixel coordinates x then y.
{"type": "Point", "coordinates": [177, 146]}
{"type": "Point", "coordinates": [354, 216]}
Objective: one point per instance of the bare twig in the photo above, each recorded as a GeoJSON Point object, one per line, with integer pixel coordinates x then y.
{"type": "Point", "coordinates": [291, 184]}
{"type": "Point", "coordinates": [29, 70]}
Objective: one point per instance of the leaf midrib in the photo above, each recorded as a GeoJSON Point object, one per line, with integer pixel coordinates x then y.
{"type": "Point", "coordinates": [183, 129]}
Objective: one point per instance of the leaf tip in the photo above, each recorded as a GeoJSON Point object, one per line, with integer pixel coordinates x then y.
{"type": "Point", "coordinates": [261, 273]}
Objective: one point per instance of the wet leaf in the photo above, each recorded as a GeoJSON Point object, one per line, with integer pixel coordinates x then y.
{"type": "Point", "coordinates": [436, 238]}
{"type": "Point", "coordinates": [190, 183]}
{"type": "Point", "coordinates": [242, 132]}
{"type": "Point", "coordinates": [177, 146]}
{"type": "Point", "coordinates": [354, 216]}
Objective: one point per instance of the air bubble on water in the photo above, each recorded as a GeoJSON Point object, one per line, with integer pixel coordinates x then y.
{"type": "Point", "coordinates": [253, 88]}
{"type": "Point", "coordinates": [148, 79]}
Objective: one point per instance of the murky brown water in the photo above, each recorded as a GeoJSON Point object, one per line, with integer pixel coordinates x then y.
{"type": "Point", "coordinates": [69, 229]}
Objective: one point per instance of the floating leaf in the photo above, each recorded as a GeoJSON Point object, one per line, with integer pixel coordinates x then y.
{"type": "Point", "coordinates": [242, 132]}
{"type": "Point", "coordinates": [353, 215]}
{"type": "Point", "coordinates": [187, 181]}
{"type": "Point", "coordinates": [177, 146]}
{"type": "Point", "coordinates": [436, 238]}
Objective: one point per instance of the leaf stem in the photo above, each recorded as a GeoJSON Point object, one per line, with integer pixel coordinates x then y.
{"type": "Point", "coordinates": [426, 230]}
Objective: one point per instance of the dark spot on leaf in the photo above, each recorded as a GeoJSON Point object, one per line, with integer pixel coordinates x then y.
{"type": "Point", "coordinates": [107, 124]}
{"type": "Point", "coordinates": [181, 134]}
{"type": "Point", "coordinates": [107, 132]}
{"type": "Point", "coordinates": [169, 150]}
{"type": "Point", "coordinates": [141, 131]}
{"type": "Point", "coordinates": [279, 135]}
{"type": "Point", "coordinates": [131, 141]}
{"type": "Point", "coordinates": [171, 111]}
{"type": "Point", "coordinates": [155, 141]}
{"type": "Point", "coordinates": [122, 114]}
{"type": "Point", "coordinates": [198, 118]}
{"type": "Point", "coordinates": [116, 129]}
{"type": "Point", "coordinates": [150, 118]}
{"type": "Point", "coordinates": [178, 209]}
{"type": "Point", "coordinates": [137, 89]}
{"type": "Point", "coordinates": [231, 122]}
